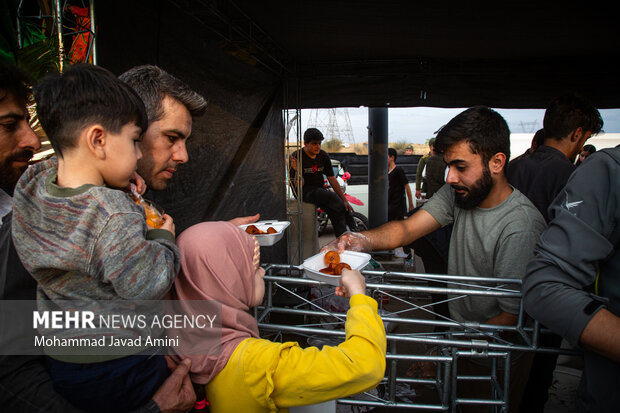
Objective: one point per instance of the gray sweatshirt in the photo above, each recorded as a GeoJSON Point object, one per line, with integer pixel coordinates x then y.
{"type": "Point", "coordinates": [576, 269]}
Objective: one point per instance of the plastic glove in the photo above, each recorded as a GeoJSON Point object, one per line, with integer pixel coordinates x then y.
{"type": "Point", "coordinates": [351, 241]}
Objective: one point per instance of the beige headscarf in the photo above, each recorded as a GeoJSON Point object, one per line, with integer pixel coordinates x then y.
{"type": "Point", "coordinates": [218, 262]}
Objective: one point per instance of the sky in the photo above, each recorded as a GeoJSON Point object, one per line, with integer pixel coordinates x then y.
{"type": "Point", "coordinates": [416, 125]}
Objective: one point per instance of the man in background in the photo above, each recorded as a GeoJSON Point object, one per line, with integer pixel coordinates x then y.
{"type": "Point", "coordinates": [315, 163]}
{"type": "Point", "coordinates": [585, 152]}
{"type": "Point", "coordinates": [569, 121]}
{"type": "Point", "coordinates": [420, 185]}
{"type": "Point", "coordinates": [398, 186]}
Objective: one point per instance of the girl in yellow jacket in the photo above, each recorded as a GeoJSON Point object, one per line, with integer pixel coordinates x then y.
{"type": "Point", "coordinates": [221, 262]}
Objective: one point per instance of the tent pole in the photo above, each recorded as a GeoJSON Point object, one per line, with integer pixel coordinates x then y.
{"type": "Point", "coordinates": [377, 166]}
{"type": "Point", "coordinates": [93, 32]}
{"type": "Point", "coordinates": [61, 46]}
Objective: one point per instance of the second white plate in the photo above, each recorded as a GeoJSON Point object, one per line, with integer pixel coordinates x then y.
{"type": "Point", "coordinates": [312, 265]}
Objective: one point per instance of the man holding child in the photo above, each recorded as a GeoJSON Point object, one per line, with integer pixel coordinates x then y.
{"type": "Point", "coordinates": [24, 383]}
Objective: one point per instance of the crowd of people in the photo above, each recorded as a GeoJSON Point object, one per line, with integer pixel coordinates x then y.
{"type": "Point", "coordinates": [69, 230]}
{"type": "Point", "coordinates": [99, 246]}
{"type": "Point", "coordinates": [537, 218]}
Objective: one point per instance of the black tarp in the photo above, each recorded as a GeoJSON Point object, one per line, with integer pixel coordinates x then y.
{"type": "Point", "coordinates": [253, 58]}
{"type": "Point", "coordinates": [236, 149]}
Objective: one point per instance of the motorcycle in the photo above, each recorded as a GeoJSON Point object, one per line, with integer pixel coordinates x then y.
{"type": "Point", "coordinates": [356, 222]}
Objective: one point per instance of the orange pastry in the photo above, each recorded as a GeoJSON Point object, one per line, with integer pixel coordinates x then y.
{"type": "Point", "coordinates": [328, 270]}
{"type": "Point", "coordinates": [339, 267]}
{"type": "Point", "coordinates": [253, 229]}
{"type": "Point", "coordinates": [331, 257]}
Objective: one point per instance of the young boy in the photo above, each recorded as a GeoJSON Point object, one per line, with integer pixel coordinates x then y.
{"type": "Point", "coordinates": [85, 241]}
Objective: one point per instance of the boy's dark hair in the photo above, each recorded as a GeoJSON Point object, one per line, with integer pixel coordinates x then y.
{"type": "Point", "coordinates": [14, 82]}
{"type": "Point", "coordinates": [568, 112]}
{"type": "Point", "coordinates": [392, 152]}
{"type": "Point", "coordinates": [153, 84]}
{"type": "Point", "coordinates": [483, 128]}
{"type": "Point", "coordinates": [313, 134]}
{"type": "Point", "coordinates": [81, 96]}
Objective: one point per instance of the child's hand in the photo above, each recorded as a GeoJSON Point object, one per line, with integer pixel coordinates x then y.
{"type": "Point", "coordinates": [138, 182]}
{"type": "Point", "coordinates": [168, 223]}
{"type": "Point", "coordinates": [353, 282]}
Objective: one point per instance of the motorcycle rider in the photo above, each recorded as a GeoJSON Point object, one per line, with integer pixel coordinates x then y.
{"type": "Point", "coordinates": [315, 163]}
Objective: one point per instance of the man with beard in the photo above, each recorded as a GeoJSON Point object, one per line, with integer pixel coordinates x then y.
{"type": "Point", "coordinates": [171, 107]}
{"type": "Point", "coordinates": [495, 226]}
{"type": "Point", "coordinates": [25, 384]}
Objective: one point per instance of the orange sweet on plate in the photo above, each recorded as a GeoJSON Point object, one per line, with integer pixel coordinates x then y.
{"type": "Point", "coordinates": [341, 266]}
{"type": "Point", "coordinates": [253, 229]}
{"type": "Point", "coordinates": [331, 257]}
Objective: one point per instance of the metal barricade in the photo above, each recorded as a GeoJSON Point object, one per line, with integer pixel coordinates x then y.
{"type": "Point", "coordinates": [451, 342]}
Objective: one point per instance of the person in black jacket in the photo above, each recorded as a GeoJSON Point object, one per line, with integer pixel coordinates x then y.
{"type": "Point", "coordinates": [569, 121]}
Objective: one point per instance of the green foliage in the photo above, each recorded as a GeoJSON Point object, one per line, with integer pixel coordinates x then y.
{"type": "Point", "coordinates": [39, 58]}
{"type": "Point", "coordinates": [332, 145]}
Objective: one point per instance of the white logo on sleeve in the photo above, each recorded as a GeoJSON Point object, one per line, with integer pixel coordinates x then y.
{"type": "Point", "coordinates": [569, 205]}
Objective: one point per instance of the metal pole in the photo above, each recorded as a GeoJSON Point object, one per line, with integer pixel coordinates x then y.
{"type": "Point", "coordinates": [61, 46]}
{"type": "Point", "coordinates": [377, 166]}
{"type": "Point", "coordinates": [93, 31]}
{"type": "Point", "coordinates": [18, 25]}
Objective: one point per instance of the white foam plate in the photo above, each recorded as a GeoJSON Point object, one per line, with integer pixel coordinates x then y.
{"type": "Point", "coordinates": [312, 265]}
{"type": "Point", "coordinates": [267, 240]}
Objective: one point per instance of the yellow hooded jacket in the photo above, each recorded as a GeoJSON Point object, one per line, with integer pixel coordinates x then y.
{"type": "Point", "coordinates": [263, 376]}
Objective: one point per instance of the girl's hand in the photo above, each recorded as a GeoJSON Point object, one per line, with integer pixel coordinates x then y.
{"type": "Point", "coordinates": [353, 282]}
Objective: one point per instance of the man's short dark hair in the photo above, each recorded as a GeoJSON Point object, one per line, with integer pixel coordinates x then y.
{"type": "Point", "coordinates": [153, 84]}
{"type": "Point", "coordinates": [539, 138]}
{"type": "Point", "coordinates": [589, 148]}
{"type": "Point", "coordinates": [81, 96]}
{"type": "Point", "coordinates": [313, 134]}
{"type": "Point", "coordinates": [14, 82]}
{"type": "Point", "coordinates": [392, 152]}
{"type": "Point", "coordinates": [484, 129]}
{"type": "Point", "coordinates": [568, 112]}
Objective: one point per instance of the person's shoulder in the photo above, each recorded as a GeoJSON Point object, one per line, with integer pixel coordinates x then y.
{"type": "Point", "coordinates": [37, 173]}
{"type": "Point", "coordinates": [598, 174]}
{"type": "Point", "coordinates": [444, 198]}
{"type": "Point", "coordinates": [112, 201]}
{"type": "Point", "coordinates": [608, 155]}
{"type": "Point", "coordinates": [522, 213]}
